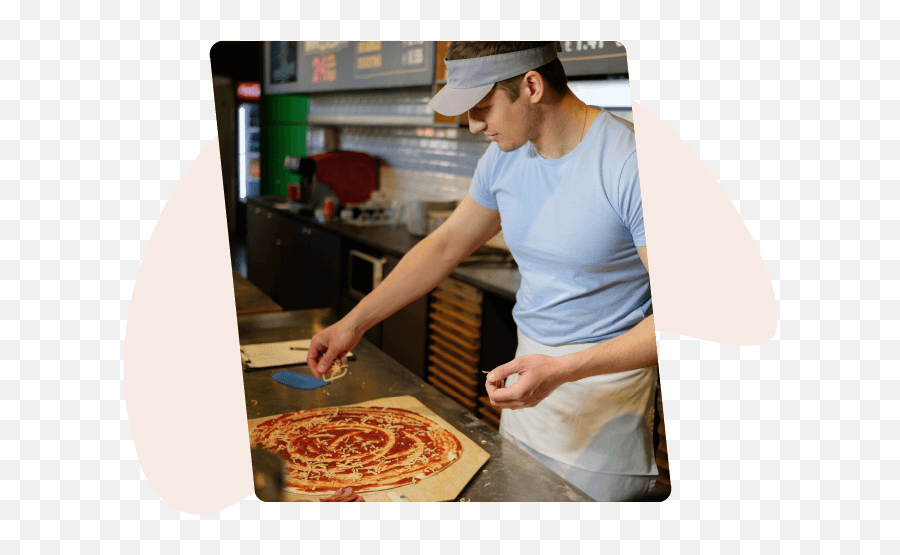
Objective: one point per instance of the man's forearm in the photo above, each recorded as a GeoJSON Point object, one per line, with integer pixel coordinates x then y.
{"type": "Point", "coordinates": [423, 267]}
{"type": "Point", "coordinates": [634, 349]}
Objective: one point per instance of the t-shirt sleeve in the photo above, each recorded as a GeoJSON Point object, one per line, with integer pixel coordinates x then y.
{"type": "Point", "coordinates": [629, 201]}
{"type": "Point", "coordinates": [480, 189]}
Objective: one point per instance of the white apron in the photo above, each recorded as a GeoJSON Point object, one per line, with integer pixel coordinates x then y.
{"type": "Point", "coordinates": [600, 424]}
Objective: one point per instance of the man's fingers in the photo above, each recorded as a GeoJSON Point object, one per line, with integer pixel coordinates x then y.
{"type": "Point", "coordinates": [320, 364]}
{"type": "Point", "coordinates": [330, 356]}
{"type": "Point", "coordinates": [324, 365]}
{"type": "Point", "coordinates": [490, 388]}
{"type": "Point", "coordinates": [313, 359]}
{"type": "Point", "coordinates": [500, 373]}
{"type": "Point", "coordinates": [317, 348]}
{"type": "Point", "coordinates": [497, 378]}
{"type": "Point", "coordinates": [507, 394]}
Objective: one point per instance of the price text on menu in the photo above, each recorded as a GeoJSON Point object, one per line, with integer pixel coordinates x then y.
{"type": "Point", "coordinates": [348, 65]}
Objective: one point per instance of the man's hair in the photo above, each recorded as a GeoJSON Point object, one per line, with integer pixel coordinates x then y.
{"type": "Point", "coordinates": [552, 72]}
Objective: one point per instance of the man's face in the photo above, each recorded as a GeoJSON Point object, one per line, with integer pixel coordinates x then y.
{"type": "Point", "coordinates": [507, 123]}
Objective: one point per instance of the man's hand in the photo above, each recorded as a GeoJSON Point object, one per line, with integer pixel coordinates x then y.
{"type": "Point", "coordinates": [330, 345]}
{"type": "Point", "coordinates": [539, 376]}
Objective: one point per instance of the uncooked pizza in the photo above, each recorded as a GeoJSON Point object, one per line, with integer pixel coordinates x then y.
{"type": "Point", "coordinates": [366, 448]}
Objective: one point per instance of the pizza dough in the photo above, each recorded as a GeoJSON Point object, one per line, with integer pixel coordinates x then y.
{"type": "Point", "coordinates": [366, 448]}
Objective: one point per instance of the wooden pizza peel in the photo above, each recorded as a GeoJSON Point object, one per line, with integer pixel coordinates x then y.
{"type": "Point", "coordinates": [443, 486]}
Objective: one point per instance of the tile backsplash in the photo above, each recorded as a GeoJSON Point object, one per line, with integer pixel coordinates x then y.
{"type": "Point", "coordinates": [414, 162]}
{"type": "Point", "coordinates": [397, 107]}
{"type": "Point", "coordinates": [417, 158]}
{"type": "Point", "coordinates": [405, 185]}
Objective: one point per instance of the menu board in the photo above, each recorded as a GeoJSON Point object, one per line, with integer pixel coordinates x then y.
{"type": "Point", "coordinates": [314, 66]}
{"type": "Point", "coordinates": [593, 58]}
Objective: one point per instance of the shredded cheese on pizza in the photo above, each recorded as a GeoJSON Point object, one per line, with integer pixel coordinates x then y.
{"type": "Point", "coordinates": [368, 448]}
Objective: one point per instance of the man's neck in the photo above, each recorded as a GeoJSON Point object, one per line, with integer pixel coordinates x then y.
{"type": "Point", "coordinates": [565, 124]}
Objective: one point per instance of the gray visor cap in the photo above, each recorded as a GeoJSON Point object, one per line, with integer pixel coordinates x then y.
{"type": "Point", "coordinates": [468, 81]}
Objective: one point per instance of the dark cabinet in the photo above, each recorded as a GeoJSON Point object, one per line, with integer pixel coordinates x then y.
{"type": "Point", "coordinates": [263, 248]}
{"type": "Point", "coordinates": [321, 268]}
{"type": "Point", "coordinates": [295, 264]}
{"type": "Point", "coordinates": [404, 333]}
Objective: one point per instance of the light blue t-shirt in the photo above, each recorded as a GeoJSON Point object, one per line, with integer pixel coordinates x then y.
{"type": "Point", "coordinates": [572, 225]}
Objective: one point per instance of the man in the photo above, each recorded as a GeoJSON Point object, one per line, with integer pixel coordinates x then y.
{"type": "Point", "coordinates": [562, 178]}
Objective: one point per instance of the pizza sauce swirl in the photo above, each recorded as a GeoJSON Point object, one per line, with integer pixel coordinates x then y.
{"type": "Point", "coordinates": [366, 448]}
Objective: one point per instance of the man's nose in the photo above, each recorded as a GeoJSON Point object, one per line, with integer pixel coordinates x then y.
{"type": "Point", "coordinates": [475, 125]}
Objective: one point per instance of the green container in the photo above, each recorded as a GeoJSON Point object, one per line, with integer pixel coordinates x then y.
{"type": "Point", "coordinates": [283, 134]}
{"type": "Point", "coordinates": [285, 108]}
{"type": "Point", "coordinates": [282, 140]}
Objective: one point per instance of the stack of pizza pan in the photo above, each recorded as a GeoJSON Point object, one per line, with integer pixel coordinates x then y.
{"type": "Point", "coordinates": [489, 413]}
{"type": "Point", "coordinates": [455, 342]}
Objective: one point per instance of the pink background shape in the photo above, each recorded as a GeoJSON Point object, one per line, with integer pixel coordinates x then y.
{"type": "Point", "coordinates": [707, 277]}
{"type": "Point", "coordinates": [183, 380]}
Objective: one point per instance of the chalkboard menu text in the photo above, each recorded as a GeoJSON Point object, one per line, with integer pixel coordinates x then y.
{"type": "Point", "coordinates": [348, 65]}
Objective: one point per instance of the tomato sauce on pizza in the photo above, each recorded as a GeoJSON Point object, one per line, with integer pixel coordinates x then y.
{"type": "Point", "coordinates": [366, 448]}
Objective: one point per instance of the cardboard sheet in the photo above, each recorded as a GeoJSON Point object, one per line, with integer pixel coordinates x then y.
{"type": "Point", "coordinates": [444, 486]}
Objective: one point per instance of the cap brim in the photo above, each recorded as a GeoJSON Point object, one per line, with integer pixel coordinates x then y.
{"type": "Point", "coordinates": [453, 102]}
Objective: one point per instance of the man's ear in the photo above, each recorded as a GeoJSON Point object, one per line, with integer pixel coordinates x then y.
{"type": "Point", "coordinates": [533, 87]}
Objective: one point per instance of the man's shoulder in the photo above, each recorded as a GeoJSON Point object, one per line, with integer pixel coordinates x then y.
{"type": "Point", "coordinates": [621, 124]}
{"type": "Point", "coordinates": [615, 139]}
{"type": "Point", "coordinates": [613, 125]}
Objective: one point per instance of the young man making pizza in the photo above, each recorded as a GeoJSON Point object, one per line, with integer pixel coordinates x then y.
{"type": "Point", "coordinates": [562, 178]}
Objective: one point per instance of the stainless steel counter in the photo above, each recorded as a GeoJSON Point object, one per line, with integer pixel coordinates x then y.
{"type": "Point", "coordinates": [509, 475]}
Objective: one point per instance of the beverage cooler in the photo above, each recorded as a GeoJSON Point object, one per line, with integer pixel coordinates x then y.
{"type": "Point", "coordinates": [249, 163]}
